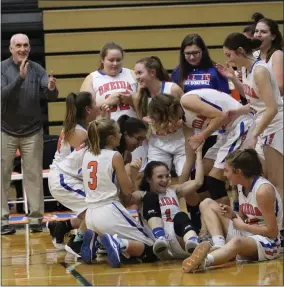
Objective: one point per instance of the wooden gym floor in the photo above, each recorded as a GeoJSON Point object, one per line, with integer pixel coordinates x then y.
{"type": "Point", "coordinates": [30, 259]}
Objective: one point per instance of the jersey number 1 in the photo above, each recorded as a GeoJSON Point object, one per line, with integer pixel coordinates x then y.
{"type": "Point", "coordinates": [93, 165]}
{"type": "Point", "coordinates": [168, 215]}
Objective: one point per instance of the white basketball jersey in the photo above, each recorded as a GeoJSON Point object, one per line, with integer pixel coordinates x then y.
{"type": "Point", "coordinates": [258, 105]}
{"type": "Point", "coordinates": [99, 178]}
{"type": "Point", "coordinates": [250, 208]}
{"type": "Point", "coordinates": [217, 99]}
{"type": "Point", "coordinates": [169, 204]}
{"type": "Point", "coordinates": [166, 88]}
{"type": "Point", "coordinates": [105, 85]}
{"type": "Point", "coordinates": [63, 147]}
{"type": "Point", "coordinates": [72, 164]}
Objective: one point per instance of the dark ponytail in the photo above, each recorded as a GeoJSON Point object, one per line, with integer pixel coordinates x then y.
{"type": "Point", "coordinates": [75, 111]}
{"type": "Point", "coordinates": [237, 40]}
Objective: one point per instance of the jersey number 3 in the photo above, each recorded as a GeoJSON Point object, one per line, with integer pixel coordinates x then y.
{"type": "Point", "coordinates": [93, 165]}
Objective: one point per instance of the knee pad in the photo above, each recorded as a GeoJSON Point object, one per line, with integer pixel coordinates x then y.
{"type": "Point", "coordinates": [151, 206]}
{"type": "Point", "coordinates": [148, 255]}
{"type": "Point", "coordinates": [216, 187]}
{"type": "Point", "coordinates": [182, 224]}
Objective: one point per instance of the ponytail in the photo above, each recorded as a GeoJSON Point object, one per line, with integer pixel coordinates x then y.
{"type": "Point", "coordinates": [70, 117]}
{"type": "Point", "coordinates": [98, 133]}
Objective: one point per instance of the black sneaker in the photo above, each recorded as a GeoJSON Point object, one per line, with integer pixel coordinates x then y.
{"type": "Point", "coordinates": [61, 230]}
{"type": "Point", "coordinates": [74, 247]}
{"type": "Point", "coordinates": [35, 228]}
{"type": "Point", "coordinates": [7, 229]}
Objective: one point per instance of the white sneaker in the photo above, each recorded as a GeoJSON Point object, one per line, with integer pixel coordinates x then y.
{"type": "Point", "coordinates": [160, 245]}
{"type": "Point", "coordinates": [197, 260]}
{"type": "Point", "coordinates": [190, 245]}
{"type": "Point", "coordinates": [58, 246]}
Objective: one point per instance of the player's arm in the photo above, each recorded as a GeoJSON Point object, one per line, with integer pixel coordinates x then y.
{"type": "Point", "coordinates": [277, 68]}
{"type": "Point", "coordinates": [77, 138]}
{"type": "Point", "coordinates": [265, 198]}
{"type": "Point", "coordinates": [87, 85]}
{"type": "Point", "coordinates": [264, 86]}
{"type": "Point", "coordinates": [185, 189]}
{"type": "Point", "coordinates": [218, 118]}
{"type": "Point", "coordinates": [176, 91]}
{"type": "Point", "coordinates": [190, 156]}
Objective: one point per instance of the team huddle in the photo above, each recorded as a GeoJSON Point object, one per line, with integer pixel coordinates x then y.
{"type": "Point", "coordinates": [127, 131]}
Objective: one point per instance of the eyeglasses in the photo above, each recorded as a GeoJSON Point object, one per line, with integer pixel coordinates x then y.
{"type": "Point", "coordinates": [193, 53]}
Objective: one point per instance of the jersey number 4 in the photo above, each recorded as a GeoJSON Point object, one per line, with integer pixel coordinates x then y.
{"type": "Point", "coordinates": [93, 166]}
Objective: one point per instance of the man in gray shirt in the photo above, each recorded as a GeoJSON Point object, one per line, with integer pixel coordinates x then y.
{"type": "Point", "coordinates": [23, 84]}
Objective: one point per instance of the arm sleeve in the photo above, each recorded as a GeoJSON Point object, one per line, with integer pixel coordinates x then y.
{"type": "Point", "coordinates": [8, 89]}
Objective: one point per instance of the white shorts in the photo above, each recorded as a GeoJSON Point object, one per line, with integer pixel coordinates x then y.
{"type": "Point", "coordinates": [68, 190]}
{"type": "Point", "coordinates": [236, 138]}
{"type": "Point", "coordinates": [267, 248]}
{"type": "Point", "coordinates": [168, 149]}
{"type": "Point", "coordinates": [114, 219]}
{"type": "Point", "coordinates": [274, 140]}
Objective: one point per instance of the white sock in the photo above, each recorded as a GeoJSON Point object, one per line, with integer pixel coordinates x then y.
{"type": "Point", "coordinates": [123, 243]}
{"type": "Point", "coordinates": [209, 260]}
{"type": "Point", "coordinates": [218, 240]}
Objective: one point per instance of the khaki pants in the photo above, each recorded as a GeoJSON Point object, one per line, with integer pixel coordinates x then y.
{"type": "Point", "coordinates": [31, 149]}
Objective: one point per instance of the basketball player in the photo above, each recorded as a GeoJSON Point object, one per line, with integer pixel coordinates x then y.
{"type": "Point", "coordinates": [112, 84]}
{"type": "Point", "coordinates": [264, 99]}
{"type": "Point", "coordinates": [153, 80]}
{"type": "Point", "coordinates": [102, 167]}
{"type": "Point", "coordinates": [205, 110]}
{"type": "Point", "coordinates": [80, 110]}
{"type": "Point", "coordinates": [66, 181]}
{"type": "Point", "coordinates": [251, 235]}
{"type": "Point", "coordinates": [175, 235]}
{"type": "Point", "coordinates": [267, 31]}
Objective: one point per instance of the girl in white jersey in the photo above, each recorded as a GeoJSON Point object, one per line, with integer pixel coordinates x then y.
{"type": "Point", "coordinates": [251, 235]}
{"type": "Point", "coordinates": [153, 80]}
{"type": "Point", "coordinates": [175, 235]}
{"type": "Point", "coordinates": [80, 110]}
{"type": "Point", "coordinates": [264, 99]}
{"type": "Point", "coordinates": [205, 110]}
{"type": "Point", "coordinates": [112, 84]}
{"type": "Point", "coordinates": [102, 167]}
{"type": "Point", "coordinates": [267, 31]}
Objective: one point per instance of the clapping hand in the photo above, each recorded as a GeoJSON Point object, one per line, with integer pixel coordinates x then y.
{"type": "Point", "coordinates": [227, 71]}
{"type": "Point", "coordinates": [24, 68]}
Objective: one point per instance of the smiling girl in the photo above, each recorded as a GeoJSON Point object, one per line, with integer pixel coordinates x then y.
{"type": "Point", "coordinates": [251, 235]}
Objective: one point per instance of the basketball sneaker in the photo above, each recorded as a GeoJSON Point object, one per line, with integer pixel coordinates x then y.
{"type": "Point", "coordinates": [112, 248]}
{"type": "Point", "coordinates": [196, 261]}
{"type": "Point", "coordinates": [161, 245]}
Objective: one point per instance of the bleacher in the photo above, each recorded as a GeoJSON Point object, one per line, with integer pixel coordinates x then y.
{"type": "Point", "coordinates": [75, 31]}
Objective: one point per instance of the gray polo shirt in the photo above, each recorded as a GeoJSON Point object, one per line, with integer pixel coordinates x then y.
{"type": "Point", "coordinates": [20, 98]}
